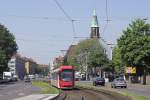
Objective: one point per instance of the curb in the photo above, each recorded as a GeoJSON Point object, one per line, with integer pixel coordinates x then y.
{"type": "Point", "coordinates": [60, 96]}
{"type": "Point", "coordinates": [52, 97]}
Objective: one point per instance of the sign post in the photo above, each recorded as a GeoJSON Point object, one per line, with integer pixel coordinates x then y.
{"type": "Point", "coordinates": [130, 71]}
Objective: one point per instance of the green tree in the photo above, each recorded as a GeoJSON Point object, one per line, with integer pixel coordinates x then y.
{"type": "Point", "coordinates": [85, 48]}
{"type": "Point", "coordinates": [97, 56]}
{"type": "Point", "coordinates": [134, 45]}
{"type": "Point", "coordinates": [70, 58]}
{"type": "Point", "coordinates": [89, 53]}
{"type": "Point", "coordinates": [116, 59]}
{"type": "Point", "coordinates": [8, 47]}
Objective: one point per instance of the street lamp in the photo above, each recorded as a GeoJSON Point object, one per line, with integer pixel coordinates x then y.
{"type": "Point", "coordinates": [63, 52]}
{"type": "Point", "coordinates": [111, 48]}
{"type": "Point", "coordinates": [86, 54]}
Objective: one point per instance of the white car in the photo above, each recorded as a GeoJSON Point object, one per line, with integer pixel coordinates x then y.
{"type": "Point", "coordinates": [119, 82]}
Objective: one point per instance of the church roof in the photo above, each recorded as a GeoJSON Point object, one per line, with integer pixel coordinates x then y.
{"type": "Point", "coordinates": [94, 22]}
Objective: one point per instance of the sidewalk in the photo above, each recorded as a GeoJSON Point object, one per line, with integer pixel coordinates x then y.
{"type": "Point", "coordinates": [143, 90]}
{"type": "Point", "coordinates": [37, 97]}
{"type": "Point", "coordinates": [138, 85]}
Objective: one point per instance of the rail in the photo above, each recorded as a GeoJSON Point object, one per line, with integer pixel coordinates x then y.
{"type": "Point", "coordinates": [88, 94]}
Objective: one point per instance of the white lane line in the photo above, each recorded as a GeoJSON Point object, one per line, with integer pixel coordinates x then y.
{"type": "Point", "coordinates": [31, 97]}
{"type": "Point", "coordinates": [21, 94]}
{"type": "Point", "coordinates": [8, 93]}
{"type": "Point", "coordinates": [50, 97]}
{"type": "Point", "coordinates": [1, 95]}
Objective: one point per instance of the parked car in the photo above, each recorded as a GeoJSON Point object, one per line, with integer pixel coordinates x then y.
{"type": "Point", "coordinates": [32, 77]}
{"type": "Point", "coordinates": [119, 82]}
{"type": "Point", "coordinates": [99, 81]}
{"type": "Point", "coordinates": [27, 79]}
{"type": "Point", "coordinates": [15, 78]}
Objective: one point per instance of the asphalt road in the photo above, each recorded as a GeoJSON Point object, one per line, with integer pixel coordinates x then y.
{"type": "Point", "coordinates": [143, 90]}
{"type": "Point", "coordinates": [140, 89]}
{"type": "Point", "coordinates": [13, 90]}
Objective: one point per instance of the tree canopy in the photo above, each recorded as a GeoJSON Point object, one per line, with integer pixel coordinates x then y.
{"type": "Point", "coordinates": [88, 51]}
{"type": "Point", "coordinates": [116, 59]}
{"type": "Point", "coordinates": [8, 47]}
{"type": "Point", "coordinates": [134, 44]}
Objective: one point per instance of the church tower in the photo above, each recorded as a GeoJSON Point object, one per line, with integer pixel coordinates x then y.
{"type": "Point", "coordinates": [94, 26]}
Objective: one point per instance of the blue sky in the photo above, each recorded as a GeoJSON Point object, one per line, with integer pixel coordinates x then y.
{"type": "Point", "coordinates": [42, 30]}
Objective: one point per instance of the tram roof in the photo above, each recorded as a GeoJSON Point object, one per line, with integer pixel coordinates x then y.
{"type": "Point", "coordinates": [63, 67]}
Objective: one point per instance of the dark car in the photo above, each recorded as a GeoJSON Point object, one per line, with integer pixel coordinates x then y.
{"type": "Point", "coordinates": [99, 81]}
{"type": "Point", "coordinates": [119, 82]}
{"type": "Point", "coordinates": [27, 79]}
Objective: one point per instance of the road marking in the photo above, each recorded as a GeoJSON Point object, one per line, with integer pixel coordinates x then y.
{"type": "Point", "coordinates": [8, 93]}
{"type": "Point", "coordinates": [1, 95]}
{"type": "Point", "coordinates": [37, 97]}
{"type": "Point", "coordinates": [30, 97]}
{"type": "Point", "coordinates": [20, 94]}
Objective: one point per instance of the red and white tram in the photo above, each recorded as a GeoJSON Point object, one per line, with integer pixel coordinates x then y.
{"type": "Point", "coordinates": [63, 77]}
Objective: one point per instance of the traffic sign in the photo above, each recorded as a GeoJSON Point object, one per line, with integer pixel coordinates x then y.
{"type": "Point", "coordinates": [130, 70]}
{"type": "Point", "coordinates": [133, 70]}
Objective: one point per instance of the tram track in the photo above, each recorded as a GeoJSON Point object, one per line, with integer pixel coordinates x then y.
{"type": "Point", "coordinates": [87, 94]}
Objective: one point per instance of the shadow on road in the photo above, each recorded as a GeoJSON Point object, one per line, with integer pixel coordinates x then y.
{"type": "Point", "coordinates": [74, 89]}
{"type": "Point", "coordinates": [3, 82]}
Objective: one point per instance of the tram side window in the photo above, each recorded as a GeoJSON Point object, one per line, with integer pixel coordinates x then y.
{"type": "Point", "coordinates": [54, 76]}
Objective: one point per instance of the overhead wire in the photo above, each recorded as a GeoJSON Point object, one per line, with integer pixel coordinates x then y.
{"type": "Point", "coordinates": [106, 10]}
{"type": "Point", "coordinates": [34, 17]}
{"type": "Point", "coordinates": [107, 17]}
{"type": "Point", "coordinates": [106, 45]}
{"type": "Point", "coordinates": [68, 17]}
{"type": "Point", "coordinates": [73, 28]}
{"type": "Point", "coordinates": [105, 26]}
{"type": "Point", "coordinates": [107, 21]}
{"type": "Point", "coordinates": [60, 7]}
{"type": "Point", "coordinates": [39, 40]}
{"type": "Point", "coordinates": [79, 19]}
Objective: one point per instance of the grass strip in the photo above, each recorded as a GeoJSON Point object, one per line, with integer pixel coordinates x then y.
{"type": "Point", "coordinates": [46, 87]}
{"type": "Point", "coordinates": [136, 96]}
{"type": "Point", "coordinates": [116, 95]}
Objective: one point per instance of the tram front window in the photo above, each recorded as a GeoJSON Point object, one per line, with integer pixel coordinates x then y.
{"type": "Point", "coordinates": [67, 75]}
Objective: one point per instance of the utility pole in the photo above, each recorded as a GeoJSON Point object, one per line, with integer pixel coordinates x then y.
{"type": "Point", "coordinates": [63, 52]}
{"type": "Point", "coordinates": [86, 59]}
{"type": "Point", "coordinates": [144, 65]}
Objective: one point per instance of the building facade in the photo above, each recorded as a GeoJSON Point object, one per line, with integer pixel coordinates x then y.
{"type": "Point", "coordinates": [30, 66]}
{"type": "Point", "coordinates": [16, 66]}
{"type": "Point", "coordinates": [44, 69]}
{"type": "Point", "coordinates": [57, 62]}
{"type": "Point", "coordinates": [21, 66]}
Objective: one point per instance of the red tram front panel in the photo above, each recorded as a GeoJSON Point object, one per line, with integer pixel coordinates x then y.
{"type": "Point", "coordinates": [63, 77]}
{"type": "Point", "coordinates": [66, 77]}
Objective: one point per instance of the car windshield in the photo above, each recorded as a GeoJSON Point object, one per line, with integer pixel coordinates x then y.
{"type": "Point", "coordinates": [119, 79]}
{"type": "Point", "coordinates": [99, 79]}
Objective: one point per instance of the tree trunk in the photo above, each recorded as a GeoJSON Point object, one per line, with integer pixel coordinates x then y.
{"type": "Point", "coordinates": [130, 79]}
{"type": "Point", "coordinates": [94, 71]}
{"type": "Point", "coordinates": [144, 76]}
